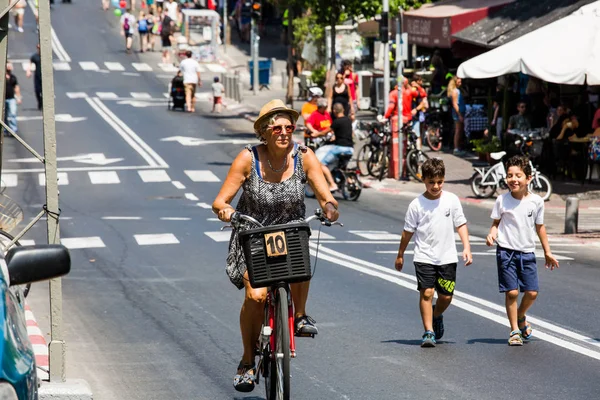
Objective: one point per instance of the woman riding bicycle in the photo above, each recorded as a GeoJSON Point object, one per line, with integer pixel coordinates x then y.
{"type": "Point", "coordinates": [272, 176]}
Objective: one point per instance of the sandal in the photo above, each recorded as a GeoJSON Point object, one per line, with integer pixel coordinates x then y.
{"type": "Point", "coordinates": [244, 380]}
{"type": "Point", "coordinates": [305, 325]}
{"type": "Point", "coordinates": [525, 329]}
{"type": "Point", "coordinates": [515, 338]}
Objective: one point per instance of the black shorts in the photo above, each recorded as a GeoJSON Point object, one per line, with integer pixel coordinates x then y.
{"type": "Point", "coordinates": [440, 277]}
{"type": "Point", "coordinates": [166, 41]}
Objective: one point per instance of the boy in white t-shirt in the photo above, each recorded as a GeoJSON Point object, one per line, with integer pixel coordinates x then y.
{"type": "Point", "coordinates": [432, 218]}
{"type": "Point", "coordinates": [517, 216]}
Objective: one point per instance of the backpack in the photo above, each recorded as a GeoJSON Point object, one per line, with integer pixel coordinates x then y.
{"type": "Point", "coordinates": [594, 150]}
{"type": "Point", "coordinates": [126, 26]}
{"type": "Point", "coordinates": [143, 25]}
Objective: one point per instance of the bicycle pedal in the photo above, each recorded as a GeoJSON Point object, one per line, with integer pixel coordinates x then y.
{"type": "Point", "coordinates": [300, 334]}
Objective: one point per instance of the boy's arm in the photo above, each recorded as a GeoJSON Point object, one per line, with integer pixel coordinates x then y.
{"type": "Point", "coordinates": [493, 235]}
{"type": "Point", "coordinates": [406, 236]}
{"type": "Point", "coordinates": [551, 261]}
{"type": "Point", "coordinates": [463, 232]}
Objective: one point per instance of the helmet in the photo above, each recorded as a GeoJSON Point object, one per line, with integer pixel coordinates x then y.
{"type": "Point", "coordinates": [314, 92]}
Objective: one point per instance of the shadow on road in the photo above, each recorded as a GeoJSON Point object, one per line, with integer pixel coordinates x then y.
{"type": "Point", "coordinates": [488, 341]}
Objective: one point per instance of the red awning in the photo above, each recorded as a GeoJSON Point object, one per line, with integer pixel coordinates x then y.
{"type": "Point", "coordinates": [434, 24]}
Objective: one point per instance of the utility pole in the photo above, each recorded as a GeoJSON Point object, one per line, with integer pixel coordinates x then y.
{"type": "Point", "coordinates": [225, 19]}
{"type": "Point", "coordinates": [399, 78]}
{"type": "Point", "coordinates": [384, 32]}
{"type": "Point", "coordinates": [256, 15]}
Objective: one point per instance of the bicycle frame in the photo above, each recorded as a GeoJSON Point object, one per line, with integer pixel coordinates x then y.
{"type": "Point", "coordinates": [492, 175]}
{"type": "Point", "coordinates": [270, 317]}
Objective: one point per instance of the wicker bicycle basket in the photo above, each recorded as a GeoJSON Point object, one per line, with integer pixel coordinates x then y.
{"type": "Point", "coordinates": [10, 213]}
{"type": "Point", "coordinates": [277, 253]}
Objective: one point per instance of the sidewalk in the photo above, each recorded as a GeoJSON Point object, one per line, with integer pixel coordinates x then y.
{"type": "Point", "coordinates": [458, 170]}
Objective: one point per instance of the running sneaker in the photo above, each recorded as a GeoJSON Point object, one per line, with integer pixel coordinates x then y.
{"type": "Point", "coordinates": [438, 325]}
{"type": "Point", "coordinates": [428, 339]}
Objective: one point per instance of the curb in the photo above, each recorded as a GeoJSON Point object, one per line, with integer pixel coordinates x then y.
{"type": "Point", "coordinates": [38, 342]}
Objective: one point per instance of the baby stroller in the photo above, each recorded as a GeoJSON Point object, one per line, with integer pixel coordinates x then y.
{"type": "Point", "coordinates": [176, 93]}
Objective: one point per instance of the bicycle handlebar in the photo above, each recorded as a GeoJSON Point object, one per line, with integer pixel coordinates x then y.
{"type": "Point", "coordinates": [237, 217]}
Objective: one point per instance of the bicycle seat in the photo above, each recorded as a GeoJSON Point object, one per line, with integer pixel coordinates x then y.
{"type": "Point", "coordinates": [498, 156]}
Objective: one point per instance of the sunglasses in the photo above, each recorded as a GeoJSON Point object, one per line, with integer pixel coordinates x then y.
{"type": "Point", "coordinates": [278, 129]}
{"type": "Point", "coordinates": [339, 77]}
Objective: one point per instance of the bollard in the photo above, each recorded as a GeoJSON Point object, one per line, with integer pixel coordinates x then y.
{"type": "Point", "coordinates": [571, 215]}
{"type": "Point", "coordinates": [240, 89]}
{"type": "Point", "coordinates": [236, 88]}
{"type": "Point", "coordinates": [229, 87]}
{"type": "Point", "coordinates": [283, 80]}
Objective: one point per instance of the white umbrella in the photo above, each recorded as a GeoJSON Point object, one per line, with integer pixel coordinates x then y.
{"type": "Point", "coordinates": [566, 51]}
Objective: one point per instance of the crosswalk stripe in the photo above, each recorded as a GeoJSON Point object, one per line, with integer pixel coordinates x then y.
{"type": "Point", "coordinates": [153, 239]}
{"type": "Point", "coordinates": [154, 176]}
{"type": "Point", "coordinates": [83, 242]}
{"type": "Point", "coordinates": [76, 95]}
{"type": "Point", "coordinates": [63, 179]}
{"type": "Point", "coordinates": [141, 67]}
{"type": "Point", "coordinates": [202, 176]}
{"type": "Point", "coordinates": [107, 95]}
{"type": "Point", "coordinates": [167, 95]}
{"type": "Point", "coordinates": [216, 68]}
{"type": "Point", "coordinates": [114, 66]}
{"type": "Point", "coordinates": [168, 67]}
{"type": "Point", "coordinates": [376, 235]}
{"type": "Point", "coordinates": [61, 66]}
{"type": "Point", "coordinates": [103, 177]}
{"type": "Point", "coordinates": [89, 66]}
{"type": "Point", "coordinates": [141, 95]}
{"type": "Point", "coordinates": [219, 236]}
{"type": "Point", "coordinates": [27, 242]}
{"type": "Point", "coordinates": [10, 180]}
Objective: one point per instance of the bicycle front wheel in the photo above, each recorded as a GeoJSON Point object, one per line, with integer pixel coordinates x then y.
{"type": "Point", "coordinates": [414, 161]}
{"type": "Point", "coordinates": [364, 154]}
{"type": "Point", "coordinates": [541, 186]}
{"type": "Point", "coordinates": [281, 352]}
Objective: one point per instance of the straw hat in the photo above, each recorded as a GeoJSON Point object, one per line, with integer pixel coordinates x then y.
{"type": "Point", "coordinates": [271, 108]}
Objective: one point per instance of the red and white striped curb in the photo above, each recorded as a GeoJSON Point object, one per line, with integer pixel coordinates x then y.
{"type": "Point", "coordinates": [38, 342]}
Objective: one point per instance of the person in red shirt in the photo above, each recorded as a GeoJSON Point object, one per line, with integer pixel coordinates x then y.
{"type": "Point", "coordinates": [410, 96]}
{"type": "Point", "coordinates": [320, 120]}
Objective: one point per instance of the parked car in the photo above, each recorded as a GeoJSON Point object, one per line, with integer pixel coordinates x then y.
{"type": "Point", "coordinates": [20, 266]}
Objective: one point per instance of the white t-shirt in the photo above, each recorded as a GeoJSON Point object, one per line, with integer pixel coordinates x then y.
{"type": "Point", "coordinates": [172, 9]}
{"type": "Point", "coordinates": [433, 223]}
{"type": "Point", "coordinates": [189, 68]}
{"type": "Point", "coordinates": [218, 89]}
{"type": "Point", "coordinates": [131, 20]}
{"type": "Point", "coordinates": [518, 219]}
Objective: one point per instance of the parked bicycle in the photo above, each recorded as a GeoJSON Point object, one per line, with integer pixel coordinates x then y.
{"type": "Point", "coordinates": [374, 133]}
{"type": "Point", "coordinates": [276, 256]}
{"type": "Point", "coordinates": [434, 122]}
{"type": "Point", "coordinates": [414, 157]}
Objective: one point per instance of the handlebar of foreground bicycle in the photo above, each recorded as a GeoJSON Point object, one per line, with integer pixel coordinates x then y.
{"type": "Point", "coordinates": [237, 218]}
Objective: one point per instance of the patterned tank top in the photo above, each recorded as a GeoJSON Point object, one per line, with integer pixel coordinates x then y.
{"type": "Point", "coordinates": [269, 203]}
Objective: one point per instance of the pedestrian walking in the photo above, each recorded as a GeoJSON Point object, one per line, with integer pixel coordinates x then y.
{"type": "Point", "coordinates": [143, 31]}
{"type": "Point", "coordinates": [458, 113]}
{"type": "Point", "coordinates": [12, 99]}
{"type": "Point", "coordinates": [151, 29]}
{"type": "Point", "coordinates": [190, 70]}
{"type": "Point", "coordinates": [432, 218]}
{"type": "Point", "coordinates": [128, 24]}
{"type": "Point", "coordinates": [105, 4]}
{"type": "Point", "coordinates": [218, 89]}
{"type": "Point", "coordinates": [35, 65]}
{"type": "Point", "coordinates": [19, 12]}
{"type": "Point", "coordinates": [518, 215]}
{"type": "Point", "coordinates": [166, 36]}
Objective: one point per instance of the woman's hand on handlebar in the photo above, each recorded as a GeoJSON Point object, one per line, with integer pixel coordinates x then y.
{"type": "Point", "coordinates": [331, 213]}
{"type": "Point", "coordinates": [226, 213]}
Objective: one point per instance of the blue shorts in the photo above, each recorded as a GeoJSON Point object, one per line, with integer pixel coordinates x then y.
{"type": "Point", "coordinates": [328, 154]}
{"type": "Point", "coordinates": [516, 270]}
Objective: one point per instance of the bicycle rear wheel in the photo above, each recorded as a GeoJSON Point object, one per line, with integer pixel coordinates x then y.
{"type": "Point", "coordinates": [414, 161]}
{"type": "Point", "coordinates": [364, 154]}
{"type": "Point", "coordinates": [279, 385]}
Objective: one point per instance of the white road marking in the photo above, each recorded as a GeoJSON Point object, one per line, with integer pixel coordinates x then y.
{"type": "Point", "coordinates": [191, 196]}
{"type": "Point", "coordinates": [107, 95]}
{"type": "Point", "coordinates": [83, 242]}
{"type": "Point", "coordinates": [27, 242]}
{"type": "Point", "coordinates": [76, 95]}
{"type": "Point", "coordinates": [141, 66]}
{"type": "Point", "coordinates": [109, 218]}
{"type": "Point", "coordinates": [216, 68]}
{"type": "Point", "coordinates": [167, 95]}
{"type": "Point", "coordinates": [10, 180]}
{"type": "Point", "coordinates": [168, 67]}
{"type": "Point", "coordinates": [57, 47]}
{"type": "Point", "coordinates": [219, 236]}
{"type": "Point", "coordinates": [61, 66]}
{"type": "Point", "coordinates": [89, 66]}
{"type": "Point", "coordinates": [204, 205]}
{"type": "Point", "coordinates": [157, 175]}
{"type": "Point", "coordinates": [213, 219]}
{"type": "Point", "coordinates": [408, 281]}
{"type": "Point", "coordinates": [104, 177]}
{"type": "Point", "coordinates": [131, 73]}
{"type": "Point", "coordinates": [114, 66]}
{"type": "Point", "coordinates": [141, 95]}
{"type": "Point", "coordinates": [152, 239]}
{"type": "Point", "coordinates": [315, 234]}
{"type": "Point", "coordinates": [178, 184]}
{"type": "Point", "coordinates": [175, 218]}
{"type": "Point", "coordinates": [143, 149]}
{"type": "Point", "coordinates": [63, 179]}
{"type": "Point", "coordinates": [203, 96]}
{"type": "Point", "coordinates": [202, 176]}
{"type": "Point", "coordinates": [377, 235]}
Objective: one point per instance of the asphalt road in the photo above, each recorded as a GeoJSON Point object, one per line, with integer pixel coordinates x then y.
{"type": "Point", "coordinates": [150, 313]}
